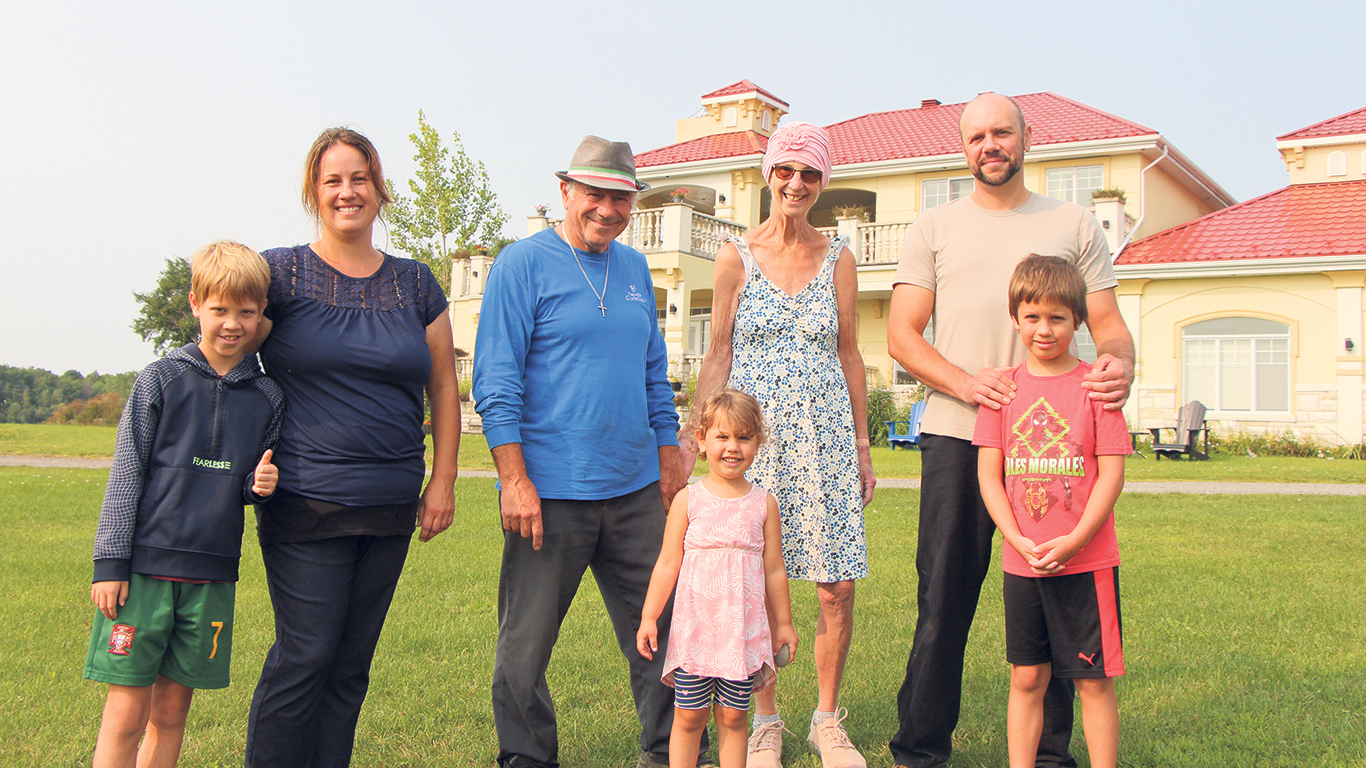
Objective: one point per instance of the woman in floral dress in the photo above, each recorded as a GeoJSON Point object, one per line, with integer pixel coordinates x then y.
{"type": "Point", "coordinates": [784, 332]}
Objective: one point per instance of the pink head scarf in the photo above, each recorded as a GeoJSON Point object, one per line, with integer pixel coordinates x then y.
{"type": "Point", "coordinates": [801, 142]}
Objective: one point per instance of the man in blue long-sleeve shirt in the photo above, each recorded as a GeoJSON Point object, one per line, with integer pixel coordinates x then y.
{"type": "Point", "coordinates": [570, 377]}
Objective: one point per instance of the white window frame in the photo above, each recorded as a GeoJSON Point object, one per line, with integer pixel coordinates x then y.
{"type": "Point", "coordinates": [1086, 346]}
{"type": "Point", "coordinates": [732, 117]}
{"type": "Point", "coordinates": [1062, 183]}
{"type": "Point", "coordinates": [953, 187]}
{"type": "Point", "coordinates": [699, 330]}
{"type": "Point", "coordinates": [1233, 358]}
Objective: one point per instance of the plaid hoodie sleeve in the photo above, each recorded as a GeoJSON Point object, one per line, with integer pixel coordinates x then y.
{"type": "Point", "coordinates": [118, 514]}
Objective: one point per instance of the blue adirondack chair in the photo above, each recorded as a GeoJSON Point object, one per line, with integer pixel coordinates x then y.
{"type": "Point", "coordinates": [906, 434]}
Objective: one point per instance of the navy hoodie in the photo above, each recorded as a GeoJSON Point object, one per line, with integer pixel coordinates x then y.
{"type": "Point", "coordinates": [188, 445]}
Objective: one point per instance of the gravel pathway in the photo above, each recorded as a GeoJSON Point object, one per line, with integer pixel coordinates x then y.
{"type": "Point", "coordinates": [1133, 486]}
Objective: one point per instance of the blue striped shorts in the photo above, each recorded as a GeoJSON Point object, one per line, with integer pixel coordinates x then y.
{"type": "Point", "coordinates": [697, 692]}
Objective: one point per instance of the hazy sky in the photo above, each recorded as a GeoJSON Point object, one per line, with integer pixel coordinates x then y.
{"type": "Point", "coordinates": [139, 131]}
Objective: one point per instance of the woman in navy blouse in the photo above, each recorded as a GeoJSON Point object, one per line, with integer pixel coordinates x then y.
{"type": "Point", "coordinates": [356, 336]}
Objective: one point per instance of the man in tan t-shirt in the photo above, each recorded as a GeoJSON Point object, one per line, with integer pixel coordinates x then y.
{"type": "Point", "coordinates": [955, 265]}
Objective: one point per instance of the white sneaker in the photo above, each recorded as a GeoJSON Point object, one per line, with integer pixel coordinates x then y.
{"type": "Point", "coordinates": [766, 746]}
{"type": "Point", "coordinates": [830, 740]}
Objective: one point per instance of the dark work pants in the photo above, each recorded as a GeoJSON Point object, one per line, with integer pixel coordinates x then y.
{"type": "Point", "coordinates": [330, 598]}
{"type": "Point", "coordinates": [619, 539]}
{"type": "Point", "coordinates": [952, 557]}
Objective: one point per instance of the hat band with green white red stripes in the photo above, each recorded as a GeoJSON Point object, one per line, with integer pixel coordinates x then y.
{"type": "Point", "coordinates": [589, 174]}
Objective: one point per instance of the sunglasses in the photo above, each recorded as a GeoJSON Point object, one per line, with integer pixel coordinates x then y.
{"type": "Point", "coordinates": [809, 175]}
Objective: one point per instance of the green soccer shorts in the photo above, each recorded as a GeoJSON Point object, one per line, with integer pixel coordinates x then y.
{"type": "Point", "coordinates": [182, 631]}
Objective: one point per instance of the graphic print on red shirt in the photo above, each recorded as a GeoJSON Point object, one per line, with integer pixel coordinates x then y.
{"type": "Point", "coordinates": [1050, 436]}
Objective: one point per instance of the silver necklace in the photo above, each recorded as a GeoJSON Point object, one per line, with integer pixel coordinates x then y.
{"type": "Point", "coordinates": [606, 273]}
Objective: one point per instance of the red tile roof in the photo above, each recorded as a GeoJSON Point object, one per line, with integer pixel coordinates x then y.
{"type": "Point", "coordinates": [1342, 125]}
{"type": "Point", "coordinates": [923, 132]}
{"type": "Point", "coordinates": [744, 86]}
{"type": "Point", "coordinates": [1300, 220]}
{"type": "Point", "coordinates": [706, 148]}
{"type": "Point", "coordinates": [928, 131]}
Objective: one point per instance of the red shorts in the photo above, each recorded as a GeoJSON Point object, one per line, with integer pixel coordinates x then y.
{"type": "Point", "coordinates": [1070, 621]}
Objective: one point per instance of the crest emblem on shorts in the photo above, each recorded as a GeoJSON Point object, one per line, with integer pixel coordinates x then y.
{"type": "Point", "coordinates": [121, 639]}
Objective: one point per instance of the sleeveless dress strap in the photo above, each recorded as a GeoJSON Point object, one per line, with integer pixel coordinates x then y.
{"type": "Point", "coordinates": [832, 255]}
{"type": "Point", "coordinates": [746, 257]}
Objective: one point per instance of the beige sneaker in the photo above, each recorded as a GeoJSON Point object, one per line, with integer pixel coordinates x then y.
{"type": "Point", "coordinates": [830, 740]}
{"type": "Point", "coordinates": [766, 746]}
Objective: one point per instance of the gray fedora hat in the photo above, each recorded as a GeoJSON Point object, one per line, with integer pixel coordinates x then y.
{"type": "Point", "coordinates": [604, 164]}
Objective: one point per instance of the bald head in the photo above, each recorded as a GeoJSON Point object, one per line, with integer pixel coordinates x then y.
{"type": "Point", "coordinates": [993, 106]}
{"type": "Point", "coordinates": [995, 139]}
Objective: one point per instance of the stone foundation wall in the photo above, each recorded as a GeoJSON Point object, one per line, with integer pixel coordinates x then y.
{"type": "Point", "coordinates": [1315, 415]}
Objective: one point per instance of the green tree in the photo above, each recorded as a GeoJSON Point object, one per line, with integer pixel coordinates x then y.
{"type": "Point", "coordinates": [451, 209]}
{"type": "Point", "coordinates": [165, 318]}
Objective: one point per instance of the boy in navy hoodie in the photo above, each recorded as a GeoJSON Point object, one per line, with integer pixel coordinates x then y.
{"type": "Point", "coordinates": [193, 447]}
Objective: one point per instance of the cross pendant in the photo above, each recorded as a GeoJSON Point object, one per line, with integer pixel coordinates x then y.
{"type": "Point", "coordinates": [604, 309]}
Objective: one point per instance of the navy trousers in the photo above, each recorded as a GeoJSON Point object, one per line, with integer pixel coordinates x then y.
{"type": "Point", "coordinates": [953, 554]}
{"type": "Point", "coordinates": [619, 539]}
{"type": "Point", "coordinates": [330, 599]}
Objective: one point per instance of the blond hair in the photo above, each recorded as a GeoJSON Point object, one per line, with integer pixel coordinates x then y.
{"type": "Point", "coordinates": [230, 270]}
{"type": "Point", "coordinates": [739, 410]}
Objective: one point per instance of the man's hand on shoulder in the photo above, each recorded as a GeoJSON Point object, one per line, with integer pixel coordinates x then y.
{"type": "Point", "coordinates": [991, 387]}
{"type": "Point", "coordinates": [1109, 381]}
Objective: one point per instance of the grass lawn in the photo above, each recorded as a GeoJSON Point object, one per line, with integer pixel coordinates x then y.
{"type": "Point", "coordinates": [1243, 628]}
{"type": "Point", "coordinates": [67, 440]}
{"type": "Point", "coordinates": [98, 442]}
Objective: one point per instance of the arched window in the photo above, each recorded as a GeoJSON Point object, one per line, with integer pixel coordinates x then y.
{"type": "Point", "coordinates": [1337, 163]}
{"type": "Point", "coordinates": [1363, 163]}
{"type": "Point", "coordinates": [732, 117]}
{"type": "Point", "coordinates": [1237, 364]}
{"type": "Point", "coordinates": [768, 120]}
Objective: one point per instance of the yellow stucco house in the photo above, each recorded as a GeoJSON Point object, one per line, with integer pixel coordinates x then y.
{"type": "Point", "coordinates": [1257, 310]}
{"type": "Point", "coordinates": [888, 167]}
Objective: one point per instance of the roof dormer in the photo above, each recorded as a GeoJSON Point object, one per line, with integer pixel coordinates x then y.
{"type": "Point", "coordinates": [1320, 152]}
{"type": "Point", "coordinates": [742, 106]}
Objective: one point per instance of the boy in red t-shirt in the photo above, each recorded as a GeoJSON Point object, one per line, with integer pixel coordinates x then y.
{"type": "Point", "coordinates": [1051, 465]}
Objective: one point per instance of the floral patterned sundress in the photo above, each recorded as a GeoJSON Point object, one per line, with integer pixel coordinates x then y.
{"type": "Point", "coordinates": [786, 356]}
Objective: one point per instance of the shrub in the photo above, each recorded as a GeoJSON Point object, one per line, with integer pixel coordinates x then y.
{"type": "Point", "coordinates": [1245, 443]}
{"type": "Point", "coordinates": [1115, 192]}
{"type": "Point", "coordinates": [881, 408]}
{"type": "Point", "coordinates": [99, 411]}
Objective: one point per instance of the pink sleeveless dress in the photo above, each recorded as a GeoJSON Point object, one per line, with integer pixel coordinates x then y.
{"type": "Point", "coordinates": [720, 625]}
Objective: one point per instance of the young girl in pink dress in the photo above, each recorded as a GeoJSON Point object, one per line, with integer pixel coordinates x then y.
{"type": "Point", "coordinates": [723, 548]}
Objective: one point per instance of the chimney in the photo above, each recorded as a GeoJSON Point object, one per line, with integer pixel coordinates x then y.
{"type": "Point", "coordinates": [929, 103]}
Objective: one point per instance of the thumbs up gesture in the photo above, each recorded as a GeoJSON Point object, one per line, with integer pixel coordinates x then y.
{"type": "Point", "coordinates": [266, 476]}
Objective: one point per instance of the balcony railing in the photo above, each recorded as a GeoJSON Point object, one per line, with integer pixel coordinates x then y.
{"type": "Point", "coordinates": [651, 231]}
{"type": "Point", "coordinates": [874, 243]}
{"type": "Point", "coordinates": [709, 232]}
{"type": "Point", "coordinates": [645, 232]}
{"type": "Point", "coordinates": [882, 242]}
